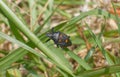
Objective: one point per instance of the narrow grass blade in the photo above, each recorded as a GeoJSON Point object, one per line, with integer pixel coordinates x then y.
{"type": "Point", "coordinates": [95, 12]}
{"type": "Point", "coordinates": [79, 60]}
{"type": "Point", "coordinates": [90, 53]}
{"type": "Point", "coordinates": [101, 71]}
{"type": "Point", "coordinates": [117, 18]}
{"type": "Point", "coordinates": [16, 32]}
{"type": "Point", "coordinates": [98, 42]}
{"type": "Point", "coordinates": [33, 14]}
{"type": "Point", "coordinates": [19, 43]}
{"type": "Point", "coordinates": [12, 57]}
{"type": "Point", "coordinates": [56, 58]}
{"type": "Point", "coordinates": [39, 28]}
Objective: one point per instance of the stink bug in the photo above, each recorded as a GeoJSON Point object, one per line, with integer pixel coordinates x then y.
{"type": "Point", "coordinates": [59, 38]}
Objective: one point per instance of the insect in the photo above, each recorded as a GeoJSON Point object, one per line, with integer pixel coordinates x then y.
{"type": "Point", "coordinates": [59, 38]}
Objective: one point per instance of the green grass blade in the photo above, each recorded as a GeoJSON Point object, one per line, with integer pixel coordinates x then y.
{"type": "Point", "coordinates": [96, 12]}
{"type": "Point", "coordinates": [12, 57]}
{"type": "Point", "coordinates": [16, 32]}
{"type": "Point", "coordinates": [79, 60]}
{"type": "Point", "coordinates": [56, 58]}
{"type": "Point", "coordinates": [98, 42]}
{"type": "Point", "coordinates": [33, 14]}
{"type": "Point", "coordinates": [90, 53]}
{"type": "Point", "coordinates": [19, 43]}
{"type": "Point", "coordinates": [117, 18]}
{"type": "Point", "coordinates": [101, 71]}
{"type": "Point", "coordinates": [40, 28]}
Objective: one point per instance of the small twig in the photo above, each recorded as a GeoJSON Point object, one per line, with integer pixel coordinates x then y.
{"type": "Point", "coordinates": [80, 30]}
{"type": "Point", "coordinates": [41, 13]}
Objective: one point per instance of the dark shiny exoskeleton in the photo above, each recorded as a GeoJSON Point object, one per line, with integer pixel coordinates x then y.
{"type": "Point", "coordinates": [59, 38]}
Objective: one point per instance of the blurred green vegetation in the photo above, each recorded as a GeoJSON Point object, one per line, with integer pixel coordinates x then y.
{"type": "Point", "coordinates": [25, 23]}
